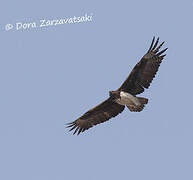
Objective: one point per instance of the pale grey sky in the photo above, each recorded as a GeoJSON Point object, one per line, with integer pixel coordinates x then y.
{"type": "Point", "coordinates": [51, 76]}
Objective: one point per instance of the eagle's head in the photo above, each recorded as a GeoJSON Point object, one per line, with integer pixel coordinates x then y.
{"type": "Point", "coordinates": [114, 94]}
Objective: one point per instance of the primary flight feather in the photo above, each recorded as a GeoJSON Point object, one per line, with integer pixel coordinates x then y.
{"type": "Point", "coordinates": [140, 78]}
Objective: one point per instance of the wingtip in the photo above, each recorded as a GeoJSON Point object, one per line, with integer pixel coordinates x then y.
{"type": "Point", "coordinates": [151, 44]}
{"type": "Point", "coordinates": [75, 130]}
{"type": "Point", "coordinates": [155, 45]}
{"type": "Point", "coordinates": [68, 125]}
{"type": "Point", "coordinates": [165, 49]}
{"type": "Point", "coordinates": [161, 52]}
{"type": "Point", "coordinates": [153, 40]}
{"type": "Point", "coordinates": [163, 56]}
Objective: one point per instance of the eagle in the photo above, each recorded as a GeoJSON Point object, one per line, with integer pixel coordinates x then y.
{"type": "Point", "coordinates": [140, 78]}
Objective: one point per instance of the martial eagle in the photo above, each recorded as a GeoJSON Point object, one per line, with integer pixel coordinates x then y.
{"type": "Point", "coordinates": [140, 78]}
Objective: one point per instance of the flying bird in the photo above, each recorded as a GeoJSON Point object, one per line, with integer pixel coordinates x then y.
{"type": "Point", "coordinates": [140, 78]}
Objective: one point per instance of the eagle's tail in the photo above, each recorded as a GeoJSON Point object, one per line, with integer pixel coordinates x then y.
{"type": "Point", "coordinates": [142, 101]}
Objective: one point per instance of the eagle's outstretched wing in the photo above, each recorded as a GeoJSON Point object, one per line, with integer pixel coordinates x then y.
{"type": "Point", "coordinates": [99, 114]}
{"type": "Point", "coordinates": [144, 71]}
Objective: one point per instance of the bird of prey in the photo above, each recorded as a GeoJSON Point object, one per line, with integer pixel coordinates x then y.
{"type": "Point", "coordinates": [140, 78]}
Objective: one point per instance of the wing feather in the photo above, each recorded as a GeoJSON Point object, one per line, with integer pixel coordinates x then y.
{"type": "Point", "coordinates": [99, 114]}
{"type": "Point", "coordinates": [145, 70]}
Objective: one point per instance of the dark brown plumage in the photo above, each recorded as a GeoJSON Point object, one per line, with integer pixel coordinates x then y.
{"type": "Point", "coordinates": [140, 78]}
{"type": "Point", "coordinates": [145, 70]}
{"type": "Point", "coordinates": [98, 114]}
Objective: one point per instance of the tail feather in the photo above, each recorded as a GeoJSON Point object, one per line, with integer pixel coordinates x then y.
{"type": "Point", "coordinates": [142, 100]}
{"type": "Point", "coordinates": [135, 108]}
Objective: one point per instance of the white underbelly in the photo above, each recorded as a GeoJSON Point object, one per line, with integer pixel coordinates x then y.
{"type": "Point", "coordinates": [128, 99]}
